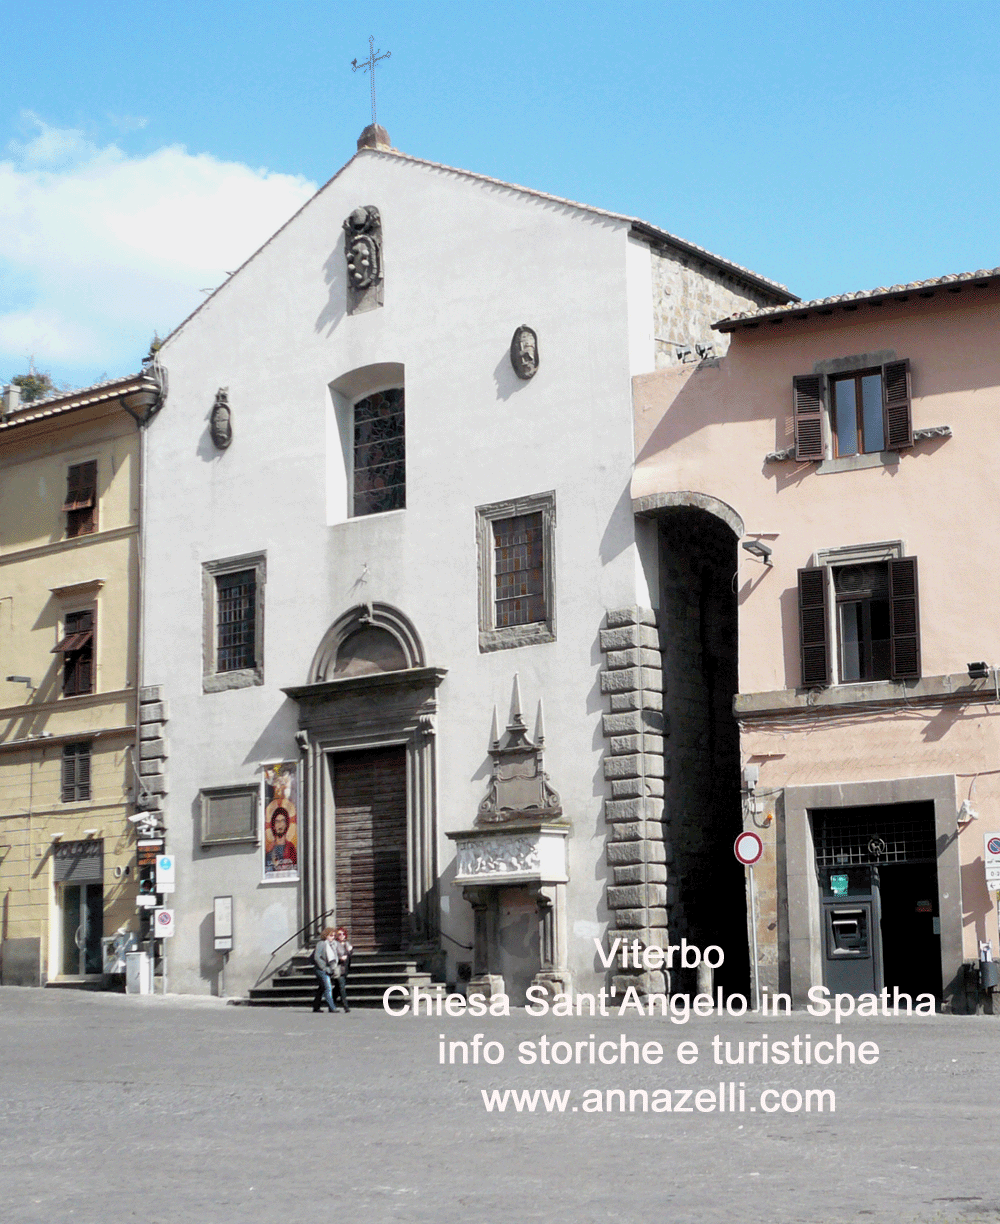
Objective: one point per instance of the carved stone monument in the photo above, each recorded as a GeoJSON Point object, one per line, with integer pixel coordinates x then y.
{"type": "Point", "coordinates": [524, 352]}
{"type": "Point", "coordinates": [363, 253]}
{"type": "Point", "coordinates": [220, 423]}
{"type": "Point", "coordinates": [519, 841]}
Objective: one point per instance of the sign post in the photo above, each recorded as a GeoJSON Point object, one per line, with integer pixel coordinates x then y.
{"type": "Point", "coordinates": [223, 935]}
{"type": "Point", "coordinates": [748, 848]}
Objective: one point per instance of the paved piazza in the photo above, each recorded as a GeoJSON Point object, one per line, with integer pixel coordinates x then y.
{"type": "Point", "coordinates": [169, 1110]}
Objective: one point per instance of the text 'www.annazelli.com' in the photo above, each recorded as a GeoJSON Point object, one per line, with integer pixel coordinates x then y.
{"type": "Point", "coordinates": [729, 1097]}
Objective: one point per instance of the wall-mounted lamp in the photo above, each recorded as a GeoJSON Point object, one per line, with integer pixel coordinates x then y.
{"type": "Point", "coordinates": [55, 837]}
{"type": "Point", "coordinates": [981, 671]}
{"type": "Point", "coordinates": [966, 813]}
{"type": "Point", "coordinates": [21, 680]}
{"type": "Point", "coordinates": [757, 548]}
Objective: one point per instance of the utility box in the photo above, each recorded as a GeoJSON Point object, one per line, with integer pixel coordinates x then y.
{"type": "Point", "coordinates": [138, 973]}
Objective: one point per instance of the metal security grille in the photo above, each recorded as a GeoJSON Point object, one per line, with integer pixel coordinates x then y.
{"type": "Point", "coordinates": [236, 598]}
{"type": "Point", "coordinates": [519, 571]}
{"type": "Point", "coordinates": [901, 833]}
{"type": "Point", "coordinates": [380, 453]}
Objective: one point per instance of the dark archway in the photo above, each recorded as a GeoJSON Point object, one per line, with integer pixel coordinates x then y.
{"type": "Point", "coordinates": [699, 636]}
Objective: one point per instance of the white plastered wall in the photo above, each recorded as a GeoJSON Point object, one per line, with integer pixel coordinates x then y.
{"type": "Point", "coordinates": [466, 262]}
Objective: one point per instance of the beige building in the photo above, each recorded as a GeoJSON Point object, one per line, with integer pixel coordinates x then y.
{"type": "Point", "coordinates": [69, 566]}
{"type": "Point", "coordinates": [825, 496]}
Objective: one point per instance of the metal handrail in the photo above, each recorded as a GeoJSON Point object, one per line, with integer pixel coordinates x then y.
{"type": "Point", "coordinates": [311, 922]}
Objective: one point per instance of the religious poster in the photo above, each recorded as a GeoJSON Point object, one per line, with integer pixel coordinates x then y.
{"type": "Point", "coordinates": [281, 823]}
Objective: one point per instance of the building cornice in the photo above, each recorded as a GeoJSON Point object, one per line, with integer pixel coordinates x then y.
{"type": "Point", "coordinates": [878, 695]}
{"type": "Point", "coordinates": [57, 546]}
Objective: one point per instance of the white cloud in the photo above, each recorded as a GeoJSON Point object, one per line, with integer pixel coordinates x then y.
{"type": "Point", "coordinates": [98, 248]}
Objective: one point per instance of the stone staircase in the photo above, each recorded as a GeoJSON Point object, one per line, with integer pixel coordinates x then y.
{"type": "Point", "coordinates": [371, 974]}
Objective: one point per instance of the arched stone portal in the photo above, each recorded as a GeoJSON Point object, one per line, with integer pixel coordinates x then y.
{"type": "Point", "coordinates": [367, 730]}
{"type": "Point", "coordinates": [698, 630]}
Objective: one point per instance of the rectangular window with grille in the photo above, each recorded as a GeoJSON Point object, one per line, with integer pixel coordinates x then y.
{"type": "Point", "coordinates": [80, 505]}
{"type": "Point", "coordinates": [236, 600]}
{"type": "Point", "coordinates": [233, 622]}
{"type": "Point", "coordinates": [379, 453]}
{"type": "Point", "coordinates": [519, 579]}
{"type": "Point", "coordinates": [77, 649]}
{"type": "Point", "coordinates": [75, 772]}
{"type": "Point", "coordinates": [516, 572]}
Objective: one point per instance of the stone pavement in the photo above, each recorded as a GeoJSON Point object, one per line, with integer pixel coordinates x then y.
{"type": "Point", "coordinates": [175, 1110]}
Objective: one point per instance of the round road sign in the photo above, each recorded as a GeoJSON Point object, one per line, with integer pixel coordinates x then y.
{"type": "Point", "coordinates": [748, 848]}
{"type": "Point", "coordinates": [993, 845]}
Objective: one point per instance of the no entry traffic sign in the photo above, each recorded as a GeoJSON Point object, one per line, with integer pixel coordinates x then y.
{"type": "Point", "coordinates": [748, 848]}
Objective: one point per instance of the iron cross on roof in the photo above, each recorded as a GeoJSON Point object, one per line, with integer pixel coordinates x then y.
{"type": "Point", "coordinates": [369, 65]}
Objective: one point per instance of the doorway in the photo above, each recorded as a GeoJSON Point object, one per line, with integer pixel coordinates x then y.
{"type": "Point", "coordinates": [884, 856]}
{"type": "Point", "coordinates": [369, 796]}
{"type": "Point", "coordinates": [82, 909]}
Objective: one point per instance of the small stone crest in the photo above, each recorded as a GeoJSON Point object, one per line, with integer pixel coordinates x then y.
{"type": "Point", "coordinates": [524, 352]}
{"type": "Point", "coordinates": [220, 423]}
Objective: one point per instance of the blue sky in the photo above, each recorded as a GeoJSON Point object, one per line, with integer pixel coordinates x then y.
{"type": "Point", "coordinates": [146, 148]}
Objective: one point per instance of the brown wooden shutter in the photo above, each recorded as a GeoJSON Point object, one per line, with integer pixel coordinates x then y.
{"type": "Point", "coordinates": [904, 625]}
{"type": "Point", "coordinates": [813, 631]}
{"type": "Point", "coordinates": [807, 395]}
{"type": "Point", "coordinates": [896, 400]}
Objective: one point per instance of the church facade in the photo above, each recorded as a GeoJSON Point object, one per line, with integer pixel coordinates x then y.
{"type": "Point", "coordinates": [401, 668]}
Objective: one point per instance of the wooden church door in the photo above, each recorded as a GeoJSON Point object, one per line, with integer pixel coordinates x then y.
{"type": "Point", "coordinates": [369, 794]}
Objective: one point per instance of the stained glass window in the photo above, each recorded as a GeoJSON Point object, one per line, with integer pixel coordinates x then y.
{"type": "Point", "coordinates": [379, 453]}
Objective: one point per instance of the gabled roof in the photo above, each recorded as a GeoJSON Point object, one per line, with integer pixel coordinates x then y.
{"type": "Point", "coordinates": [70, 401]}
{"type": "Point", "coordinates": [643, 229]}
{"type": "Point", "coordinates": [847, 302]}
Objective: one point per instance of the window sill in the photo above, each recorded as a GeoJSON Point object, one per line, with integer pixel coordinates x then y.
{"type": "Point", "coordinates": [858, 463]}
{"type": "Point", "coordinates": [222, 682]}
{"type": "Point", "coordinates": [512, 636]}
{"type": "Point", "coordinates": [935, 690]}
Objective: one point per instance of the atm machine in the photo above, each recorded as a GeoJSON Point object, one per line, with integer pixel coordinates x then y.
{"type": "Point", "coordinates": [852, 929]}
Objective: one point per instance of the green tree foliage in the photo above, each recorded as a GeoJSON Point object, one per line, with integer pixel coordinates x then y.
{"type": "Point", "coordinates": [34, 386]}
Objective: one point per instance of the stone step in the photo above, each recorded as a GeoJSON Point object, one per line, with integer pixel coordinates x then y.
{"type": "Point", "coordinates": [372, 973]}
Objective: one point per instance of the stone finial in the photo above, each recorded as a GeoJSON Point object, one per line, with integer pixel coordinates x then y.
{"type": "Point", "coordinates": [540, 725]}
{"type": "Point", "coordinates": [516, 717]}
{"type": "Point", "coordinates": [374, 137]}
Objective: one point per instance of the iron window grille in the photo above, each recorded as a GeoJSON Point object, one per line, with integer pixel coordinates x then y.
{"type": "Point", "coordinates": [519, 579]}
{"type": "Point", "coordinates": [76, 772]}
{"type": "Point", "coordinates": [516, 544]}
{"type": "Point", "coordinates": [846, 839]}
{"type": "Point", "coordinates": [233, 622]}
{"type": "Point", "coordinates": [236, 600]}
{"type": "Point", "coordinates": [379, 453]}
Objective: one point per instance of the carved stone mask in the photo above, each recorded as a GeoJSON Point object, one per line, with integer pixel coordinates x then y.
{"type": "Point", "coordinates": [220, 423]}
{"type": "Point", "coordinates": [524, 352]}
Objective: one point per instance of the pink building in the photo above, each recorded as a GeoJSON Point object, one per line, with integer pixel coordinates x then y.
{"type": "Point", "coordinates": [830, 486]}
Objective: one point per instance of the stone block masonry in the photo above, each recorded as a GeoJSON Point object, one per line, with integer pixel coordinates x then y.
{"type": "Point", "coordinates": [153, 716]}
{"type": "Point", "coordinates": [637, 850]}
